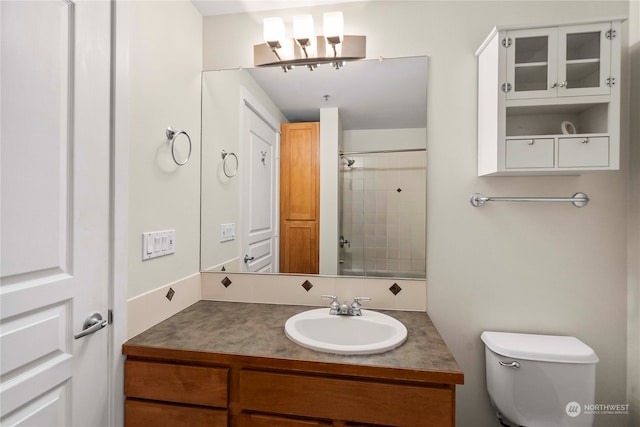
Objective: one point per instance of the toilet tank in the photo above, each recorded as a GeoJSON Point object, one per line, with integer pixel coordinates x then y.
{"type": "Point", "coordinates": [540, 380]}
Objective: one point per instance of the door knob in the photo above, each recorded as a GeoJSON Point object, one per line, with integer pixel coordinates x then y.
{"type": "Point", "coordinates": [92, 324]}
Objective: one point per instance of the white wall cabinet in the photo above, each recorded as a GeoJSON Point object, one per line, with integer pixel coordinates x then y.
{"type": "Point", "coordinates": [531, 81]}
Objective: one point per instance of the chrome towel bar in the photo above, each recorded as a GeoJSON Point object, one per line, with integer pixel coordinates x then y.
{"type": "Point", "coordinates": [579, 200]}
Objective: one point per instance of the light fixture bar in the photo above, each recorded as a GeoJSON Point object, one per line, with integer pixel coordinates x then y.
{"type": "Point", "coordinates": [291, 54]}
{"type": "Point", "coordinates": [305, 48]}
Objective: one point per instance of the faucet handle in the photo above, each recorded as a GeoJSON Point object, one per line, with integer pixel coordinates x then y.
{"type": "Point", "coordinates": [356, 306]}
{"type": "Point", "coordinates": [334, 307]}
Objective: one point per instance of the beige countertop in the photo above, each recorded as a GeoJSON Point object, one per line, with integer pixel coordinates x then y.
{"type": "Point", "coordinates": [213, 332]}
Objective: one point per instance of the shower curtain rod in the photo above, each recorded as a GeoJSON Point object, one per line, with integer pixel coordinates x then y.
{"type": "Point", "coordinates": [407, 150]}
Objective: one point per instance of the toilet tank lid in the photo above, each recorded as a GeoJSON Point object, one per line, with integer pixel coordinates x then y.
{"type": "Point", "coordinates": [545, 348]}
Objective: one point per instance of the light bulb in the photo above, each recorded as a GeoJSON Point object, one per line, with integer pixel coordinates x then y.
{"type": "Point", "coordinates": [303, 28]}
{"type": "Point", "coordinates": [273, 29]}
{"type": "Point", "coordinates": [333, 25]}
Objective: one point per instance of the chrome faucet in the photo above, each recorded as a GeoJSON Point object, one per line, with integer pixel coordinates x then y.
{"type": "Point", "coordinates": [343, 309]}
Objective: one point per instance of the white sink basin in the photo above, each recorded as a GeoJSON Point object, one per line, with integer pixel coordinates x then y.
{"type": "Point", "coordinates": [370, 333]}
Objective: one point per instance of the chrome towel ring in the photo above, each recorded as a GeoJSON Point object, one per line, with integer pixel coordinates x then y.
{"type": "Point", "coordinates": [172, 134]}
{"type": "Point", "coordinates": [225, 157]}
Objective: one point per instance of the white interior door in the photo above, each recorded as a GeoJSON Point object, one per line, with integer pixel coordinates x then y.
{"type": "Point", "coordinates": [55, 104]}
{"type": "Point", "coordinates": [259, 204]}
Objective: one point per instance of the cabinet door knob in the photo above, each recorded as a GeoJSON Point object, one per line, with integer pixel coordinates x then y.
{"type": "Point", "coordinates": [563, 84]}
{"type": "Point", "coordinates": [555, 85]}
{"type": "Point", "coordinates": [585, 140]}
{"type": "Point", "coordinates": [531, 142]}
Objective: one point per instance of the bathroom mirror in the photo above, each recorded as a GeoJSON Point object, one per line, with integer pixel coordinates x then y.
{"type": "Point", "coordinates": [372, 161]}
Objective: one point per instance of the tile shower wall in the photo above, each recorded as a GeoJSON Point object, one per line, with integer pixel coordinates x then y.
{"type": "Point", "coordinates": [383, 210]}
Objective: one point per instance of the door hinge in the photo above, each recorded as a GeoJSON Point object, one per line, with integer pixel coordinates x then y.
{"type": "Point", "coordinates": [506, 42]}
{"type": "Point", "coordinates": [610, 81]}
{"type": "Point", "coordinates": [610, 34]}
{"type": "Point", "coordinates": [506, 87]}
{"type": "Point", "coordinates": [110, 316]}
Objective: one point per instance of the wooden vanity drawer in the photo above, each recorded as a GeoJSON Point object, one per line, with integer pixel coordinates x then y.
{"type": "Point", "coordinates": [141, 413]}
{"type": "Point", "coordinates": [196, 385]}
{"type": "Point", "coordinates": [348, 400]}
{"type": "Point", "coordinates": [259, 420]}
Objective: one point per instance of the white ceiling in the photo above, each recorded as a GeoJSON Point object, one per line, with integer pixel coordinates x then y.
{"type": "Point", "coordinates": [370, 94]}
{"type": "Point", "coordinates": [225, 7]}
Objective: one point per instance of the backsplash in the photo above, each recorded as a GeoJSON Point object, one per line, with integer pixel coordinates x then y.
{"type": "Point", "coordinates": [306, 290]}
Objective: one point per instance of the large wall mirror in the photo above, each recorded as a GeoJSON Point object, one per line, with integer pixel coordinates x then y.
{"type": "Point", "coordinates": [370, 161]}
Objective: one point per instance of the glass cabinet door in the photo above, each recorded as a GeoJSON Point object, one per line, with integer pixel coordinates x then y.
{"type": "Point", "coordinates": [584, 58]}
{"type": "Point", "coordinates": [531, 63]}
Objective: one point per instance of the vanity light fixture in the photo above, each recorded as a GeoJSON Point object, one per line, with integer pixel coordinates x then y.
{"type": "Point", "coordinates": [305, 48]}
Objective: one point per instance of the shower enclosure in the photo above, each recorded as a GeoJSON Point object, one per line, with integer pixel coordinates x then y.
{"type": "Point", "coordinates": [382, 211]}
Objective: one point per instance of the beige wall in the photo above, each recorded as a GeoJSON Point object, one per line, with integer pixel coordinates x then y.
{"type": "Point", "coordinates": [164, 64]}
{"type": "Point", "coordinates": [378, 139]}
{"type": "Point", "coordinates": [517, 267]}
{"type": "Point", "coordinates": [633, 298]}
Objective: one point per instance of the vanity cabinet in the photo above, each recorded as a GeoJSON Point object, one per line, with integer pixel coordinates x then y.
{"type": "Point", "coordinates": [549, 99]}
{"type": "Point", "coordinates": [230, 364]}
{"type": "Point", "coordinates": [252, 394]}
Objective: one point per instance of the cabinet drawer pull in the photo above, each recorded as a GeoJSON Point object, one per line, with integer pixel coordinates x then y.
{"type": "Point", "coordinates": [531, 142]}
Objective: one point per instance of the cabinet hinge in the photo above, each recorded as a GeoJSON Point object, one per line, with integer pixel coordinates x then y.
{"type": "Point", "coordinates": [610, 34]}
{"type": "Point", "coordinates": [506, 87]}
{"type": "Point", "coordinates": [611, 81]}
{"type": "Point", "coordinates": [506, 42]}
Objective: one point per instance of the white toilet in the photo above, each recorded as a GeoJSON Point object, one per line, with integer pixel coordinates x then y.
{"type": "Point", "coordinates": [540, 380]}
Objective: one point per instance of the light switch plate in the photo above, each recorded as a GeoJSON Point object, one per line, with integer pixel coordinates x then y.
{"type": "Point", "coordinates": [158, 243]}
{"type": "Point", "coordinates": [227, 232]}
